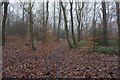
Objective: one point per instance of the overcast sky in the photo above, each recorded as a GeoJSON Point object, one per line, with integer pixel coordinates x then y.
{"type": "Point", "coordinates": [13, 1]}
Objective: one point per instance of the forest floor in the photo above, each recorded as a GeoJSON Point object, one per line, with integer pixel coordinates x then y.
{"type": "Point", "coordinates": [54, 60]}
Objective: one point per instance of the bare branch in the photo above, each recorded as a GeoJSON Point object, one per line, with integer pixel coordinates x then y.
{"type": "Point", "coordinates": [24, 7]}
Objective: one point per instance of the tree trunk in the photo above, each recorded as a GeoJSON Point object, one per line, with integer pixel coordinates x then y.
{"type": "Point", "coordinates": [47, 15]}
{"type": "Point", "coordinates": [72, 24]}
{"type": "Point", "coordinates": [23, 12]}
{"type": "Point", "coordinates": [59, 22]}
{"type": "Point", "coordinates": [78, 13]}
{"type": "Point", "coordinates": [105, 37]}
{"type": "Point", "coordinates": [0, 23]}
{"type": "Point", "coordinates": [94, 27]}
{"type": "Point", "coordinates": [31, 28]}
{"type": "Point", "coordinates": [118, 23]}
{"type": "Point", "coordinates": [66, 26]}
{"type": "Point", "coordinates": [54, 22]}
{"type": "Point", "coordinates": [4, 22]}
{"type": "Point", "coordinates": [43, 24]}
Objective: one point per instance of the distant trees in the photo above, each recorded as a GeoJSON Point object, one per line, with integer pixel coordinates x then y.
{"type": "Point", "coordinates": [118, 23]}
{"type": "Point", "coordinates": [79, 19]}
{"type": "Point", "coordinates": [4, 22]}
{"type": "Point", "coordinates": [24, 29]}
{"type": "Point", "coordinates": [31, 22]}
{"type": "Point", "coordinates": [105, 33]}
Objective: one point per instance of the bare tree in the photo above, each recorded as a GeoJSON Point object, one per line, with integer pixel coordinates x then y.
{"type": "Point", "coordinates": [78, 14]}
{"type": "Point", "coordinates": [23, 12]}
{"type": "Point", "coordinates": [30, 13]}
{"type": "Point", "coordinates": [105, 36]}
{"type": "Point", "coordinates": [4, 22]}
{"type": "Point", "coordinates": [118, 23]}
{"type": "Point", "coordinates": [54, 22]}
{"type": "Point", "coordinates": [0, 23]}
{"type": "Point", "coordinates": [31, 27]}
{"type": "Point", "coordinates": [94, 26]}
{"type": "Point", "coordinates": [66, 26]}
{"type": "Point", "coordinates": [72, 27]}
{"type": "Point", "coordinates": [59, 22]}
{"type": "Point", "coordinates": [47, 12]}
{"type": "Point", "coordinates": [46, 22]}
{"type": "Point", "coordinates": [43, 22]}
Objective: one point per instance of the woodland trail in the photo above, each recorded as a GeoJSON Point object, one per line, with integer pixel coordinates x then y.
{"type": "Point", "coordinates": [57, 57]}
{"type": "Point", "coordinates": [55, 60]}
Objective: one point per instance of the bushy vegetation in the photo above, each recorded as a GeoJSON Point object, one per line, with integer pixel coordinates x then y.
{"type": "Point", "coordinates": [113, 43]}
{"type": "Point", "coordinates": [18, 28]}
{"type": "Point", "coordinates": [102, 49]}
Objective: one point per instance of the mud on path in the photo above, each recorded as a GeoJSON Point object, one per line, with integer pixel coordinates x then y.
{"type": "Point", "coordinates": [55, 60]}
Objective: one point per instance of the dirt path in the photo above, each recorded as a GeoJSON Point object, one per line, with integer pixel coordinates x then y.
{"type": "Point", "coordinates": [56, 57]}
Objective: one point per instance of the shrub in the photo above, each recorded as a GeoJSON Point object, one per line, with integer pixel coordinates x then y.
{"type": "Point", "coordinates": [102, 49]}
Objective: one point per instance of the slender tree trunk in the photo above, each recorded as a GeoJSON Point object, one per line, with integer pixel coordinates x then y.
{"type": "Point", "coordinates": [79, 32]}
{"type": "Point", "coordinates": [43, 24]}
{"type": "Point", "coordinates": [23, 12]}
{"type": "Point", "coordinates": [54, 22]}
{"type": "Point", "coordinates": [72, 24]}
{"type": "Point", "coordinates": [105, 36]}
{"type": "Point", "coordinates": [47, 15]}
{"type": "Point", "coordinates": [31, 28]}
{"type": "Point", "coordinates": [66, 26]}
{"type": "Point", "coordinates": [118, 23]}
{"type": "Point", "coordinates": [4, 22]}
{"type": "Point", "coordinates": [78, 13]}
{"type": "Point", "coordinates": [59, 22]}
{"type": "Point", "coordinates": [23, 23]}
{"type": "Point", "coordinates": [94, 26]}
{"type": "Point", "coordinates": [0, 23]}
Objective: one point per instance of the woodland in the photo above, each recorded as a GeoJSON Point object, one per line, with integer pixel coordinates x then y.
{"type": "Point", "coordinates": [60, 39]}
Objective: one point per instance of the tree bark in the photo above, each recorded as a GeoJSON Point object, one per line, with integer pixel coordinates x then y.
{"type": "Point", "coordinates": [46, 22]}
{"type": "Point", "coordinates": [59, 22]}
{"type": "Point", "coordinates": [118, 23]}
{"type": "Point", "coordinates": [47, 13]}
{"type": "Point", "coordinates": [72, 25]}
{"type": "Point", "coordinates": [43, 24]}
{"type": "Point", "coordinates": [4, 22]}
{"type": "Point", "coordinates": [31, 28]}
{"type": "Point", "coordinates": [66, 26]}
{"type": "Point", "coordinates": [0, 23]}
{"type": "Point", "coordinates": [78, 13]}
{"type": "Point", "coordinates": [54, 22]}
{"type": "Point", "coordinates": [105, 33]}
{"type": "Point", "coordinates": [94, 27]}
{"type": "Point", "coordinates": [23, 12]}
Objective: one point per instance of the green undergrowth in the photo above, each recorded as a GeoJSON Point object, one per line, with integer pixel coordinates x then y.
{"type": "Point", "coordinates": [110, 50]}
